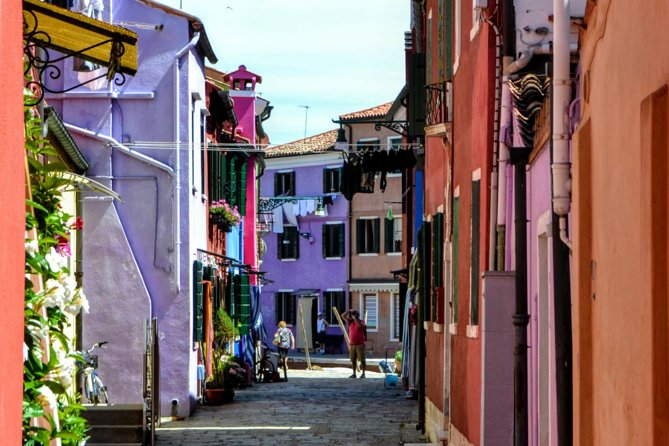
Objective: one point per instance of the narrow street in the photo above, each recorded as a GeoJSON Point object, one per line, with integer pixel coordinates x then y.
{"type": "Point", "coordinates": [315, 407]}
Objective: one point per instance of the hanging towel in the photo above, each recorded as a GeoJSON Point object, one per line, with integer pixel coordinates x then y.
{"type": "Point", "coordinates": [304, 205]}
{"type": "Point", "coordinates": [277, 227]}
{"type": "Point", "coordinates": [288, 211]}
{"type": "Point", "coordinates": [310, 207]}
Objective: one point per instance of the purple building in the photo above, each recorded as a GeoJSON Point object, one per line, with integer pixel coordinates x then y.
{"type": "Point", "coordinates": [142, 139]}
{"type": "Point", "coordinates": [306, 243]}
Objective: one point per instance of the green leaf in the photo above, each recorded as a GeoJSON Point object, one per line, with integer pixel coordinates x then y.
{"type": "Point", "coordinates": [35, 205]}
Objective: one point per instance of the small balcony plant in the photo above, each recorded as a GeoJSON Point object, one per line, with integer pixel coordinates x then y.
{"type": "Point", "coordinates": [223, 215]}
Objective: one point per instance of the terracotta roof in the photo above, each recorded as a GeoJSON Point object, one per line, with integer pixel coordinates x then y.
{"type": "Point", "coordinates": [375, 112]}
{"type": "Point", "coordinates": [313, 144]}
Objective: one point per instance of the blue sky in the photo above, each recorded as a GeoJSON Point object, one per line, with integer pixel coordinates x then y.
{"type": "Point", "coordinates": [336, 57]}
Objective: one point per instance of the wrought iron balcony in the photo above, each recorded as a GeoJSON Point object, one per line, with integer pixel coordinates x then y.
{"type": "Point", "coordinates": [438, 104]}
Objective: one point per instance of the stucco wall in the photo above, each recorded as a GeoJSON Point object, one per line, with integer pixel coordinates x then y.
{"type": "Point", "coordinates": [620, 220]}
{"type": "Point", "coordinates": [12, 194]}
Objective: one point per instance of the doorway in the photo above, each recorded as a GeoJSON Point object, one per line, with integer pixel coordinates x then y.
{"type": "Point", "coordinates": [307, 307]}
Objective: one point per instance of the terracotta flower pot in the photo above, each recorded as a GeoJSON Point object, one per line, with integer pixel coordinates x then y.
{"type": "Point", "coordinates": [216, 397]}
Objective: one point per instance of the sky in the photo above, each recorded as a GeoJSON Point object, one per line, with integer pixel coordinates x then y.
{"type": "Point", "coordinates": [335, 57]}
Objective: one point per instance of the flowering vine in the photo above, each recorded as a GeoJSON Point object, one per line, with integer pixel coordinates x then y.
{"type": "Point", "coordinates": [222, 212]}
{"type": "Point", "coordinates": [51, 408]}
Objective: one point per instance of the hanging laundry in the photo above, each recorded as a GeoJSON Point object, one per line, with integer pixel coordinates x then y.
{"type": "Point", "coordinates": [277, 227]}
{"type": "Point", "coordinates": [310, 207]}
{"type": "Point", "coordinates": [288, 212]}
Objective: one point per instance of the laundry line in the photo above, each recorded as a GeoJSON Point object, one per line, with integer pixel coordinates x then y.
{"type": "Point", "coordinates": [261, 148]}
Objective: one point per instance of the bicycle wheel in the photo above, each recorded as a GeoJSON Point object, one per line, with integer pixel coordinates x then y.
{"type": "Point", "coordinates": [100, 395]}
{"type": "Point", "coordinates": [264, 371]}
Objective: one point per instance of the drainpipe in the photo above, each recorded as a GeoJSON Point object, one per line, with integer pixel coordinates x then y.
{"type": "Point", "coordinates": [561, 99]}
{"type": "Point", "coordinates": [493, 248]}
{"type": "Point", "coordinates": [505, 124]}
{"type": "Point", "coordinates": [177, 161]}
{"type": "Point", "coordinates": [561, 205]}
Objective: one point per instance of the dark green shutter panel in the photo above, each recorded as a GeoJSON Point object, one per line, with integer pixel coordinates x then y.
{"type": "Point", "coordinates": [223, 168]}
{"type": "Point", "coordinates": [292, 310]}
{"type": "Point", "coordinates": [211, 175]}
{"type": "Point", "coordinates": [476, 225]}
{"type": "Point", "coordinates": [341, 240]}
{"type": "Point", "coordinates": [230, 295]}
{"type": "Point", "coordinates": [388, 230]}
{"type": "Point", "coordinates": [243, 303]}
{"type": "Point", "coordinates": [295, 243]}
{"type": "Point", "coordinates": [325, 181]}
{"type": "Point", "coordinates": [241, 187]}
{"type": "Point", "coordinates": [377, 235]}
{"type": "Point", "coordinates": [449, 39]}
{"type": "Point", "coordinates": [276, 185]}
{"type": "Point", "coordinates": [279, 244]}
{"type": "Point", "coordinates": [426, 269]}
{"type": "Point", "coordinates": [456, 248]}
{"type": "Point", "coordinates": [278, 305]}
{"type": "Point", "coordinates": [359, 233]}
{"type": "Point", "coordinates": [291, 183]}
{"type": "Point", "coordinates": [437, 258]}
{"type": "Point", "coordinates": [198, 302]}
{"type": "Point", "coordinates": [416, 109]}
{"type": "Point", "coordinates": [340, 172]}
{"type": "Point", "coordinates": [231, 196]}
{"type": "Point", "coordinates": [326, 239]}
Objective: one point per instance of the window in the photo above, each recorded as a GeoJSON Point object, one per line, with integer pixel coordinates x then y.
{"type": "Point", "coordinates": [425, 288]}
{"type": "Point", "coordinates": [437, 265]}
{"type": "Point", "coordinates": [284, 184]}
{"type": "Point", "coordinates": [285, 307]}
{"type": "Point", "coordinates": [370, 307]}
{"type": "Point", "coordinates": [367, 144]}
{"type": "Point", "coordinates": [475, 249]}
{"type": "Point", "coordinates": [395, 334]}
{"type": "Point", "coordinates": [456, 241]}
{"type": "Point", "coordinates": [333, 240]}
{"type": "Point", "coordinates": [289, 243]}
{"type": "Point", "coordinates": [368, 235]}
{"type": "Point", "coordinates": [332, 299]}
{"type": "Point", "coordinates": [393, 235]}
{"type": "Point", "coordinates": [332, 179]}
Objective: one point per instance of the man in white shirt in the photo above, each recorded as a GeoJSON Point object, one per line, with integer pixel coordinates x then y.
{"type": "Point", "coordinates": [321, 328]}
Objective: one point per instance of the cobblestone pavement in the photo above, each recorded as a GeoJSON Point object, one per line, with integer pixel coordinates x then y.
{"type": "Point", "coordinates": [315, 407]}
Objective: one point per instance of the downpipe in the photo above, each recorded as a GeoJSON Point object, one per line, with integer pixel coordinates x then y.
{"type": "Point", "coordinates": [177, 161]}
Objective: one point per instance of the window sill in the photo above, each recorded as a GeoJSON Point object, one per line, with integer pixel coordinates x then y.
{"type": "Point", "coordinates": [369, 254]}
{"type": "Point", "coordinates": [426, 325]}
{"type": "Point", "coordinates": [453, 328]}
{"type": "Point", "coordinates": [332, 258]}
{"type": "Point", "coordinates": [436, 327]}
{"type": "Point", "coordinates": [288, 260]}
{"type": "Point", "coordinates": [473, 331]}
{"type": "Point", "coordinates": [394, 253]}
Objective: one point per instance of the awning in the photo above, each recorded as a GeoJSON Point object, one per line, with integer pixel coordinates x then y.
{"type": "Point", "coordinates": [307, 292]}
{"type": "Point", "coordinates": [374, 287]}
{"type": "Point", "coordinates": [86, 183]}
{"type": "Point", "coordinates": [72, 33]}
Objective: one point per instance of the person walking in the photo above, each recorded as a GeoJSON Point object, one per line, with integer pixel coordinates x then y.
{"type": "Point", "coordinates": [357, 334]}
{"type": "Point", "coordinates": [321, 329]}
{"type": "Point", "coordinates": [284, 339]}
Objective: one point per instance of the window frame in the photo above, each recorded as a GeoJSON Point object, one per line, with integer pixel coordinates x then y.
{"type": "Point", "coordinates": [393, 229]}
{"type": "Point", "coordinates": [280, 309]}
{"type": "Point", "coordinates": [281, 189]}
{"type": "Point", "coordinates": [362, 248]}
{"type": "Point", "coordinates": [363, 308]}
{"type": "Point", "coordinates": [328, 173]}
{"type": "Point", "coordinates": [290, 233]}
{"type": "Point", "coordinates": [339, 235]}
{"type": "Point", "coordinates": [329, 296]}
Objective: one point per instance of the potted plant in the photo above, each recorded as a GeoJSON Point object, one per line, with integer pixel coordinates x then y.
{"type": "Point", "coordinates": [220, 385]}
{"type": "Point", "coordinates": [398, 362]}
{"type": "Point", "coordinates": [223, 215]}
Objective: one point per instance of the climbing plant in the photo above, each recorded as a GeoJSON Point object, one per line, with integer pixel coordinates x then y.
{"type": "Point", "coordinates": [51, 408]}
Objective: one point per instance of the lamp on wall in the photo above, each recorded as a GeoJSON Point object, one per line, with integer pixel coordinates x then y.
{"type": "Point", "coordinates": [341, 144]}
{"type": "Point", "coordinates": [320, 212]}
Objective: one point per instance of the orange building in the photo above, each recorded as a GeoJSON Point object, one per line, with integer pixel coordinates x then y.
{"type": "Point", "coordinates": [620, 238]}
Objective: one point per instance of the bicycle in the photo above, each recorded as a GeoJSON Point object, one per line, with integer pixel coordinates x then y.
{"type": "Point", "coordinates": [94, 389]}
{"type": "Point", "coordinates": [263, 368]}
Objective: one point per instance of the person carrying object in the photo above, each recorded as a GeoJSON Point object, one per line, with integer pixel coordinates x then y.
{"type": "Point", "coordinates": [357, 334]}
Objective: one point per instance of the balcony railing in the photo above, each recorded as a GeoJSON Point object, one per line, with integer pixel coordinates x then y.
{"type": "Point", "coordinates": [438, 104]}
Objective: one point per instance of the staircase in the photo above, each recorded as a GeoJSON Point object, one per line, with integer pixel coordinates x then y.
{"type": "Point", "coordinates": [120, 424]}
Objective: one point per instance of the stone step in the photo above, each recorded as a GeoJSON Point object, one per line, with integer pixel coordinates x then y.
{"type": "Point", "coordinates": [116, 434]}
{"type": "Point", "coordinates": [116, 414]}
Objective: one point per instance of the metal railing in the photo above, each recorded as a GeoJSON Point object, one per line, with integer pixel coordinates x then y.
{"type": "Point", "coordinates": [438, 103]}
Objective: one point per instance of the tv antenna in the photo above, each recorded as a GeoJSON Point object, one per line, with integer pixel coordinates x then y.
{"type": "Point", "coordinates": [306, 114]}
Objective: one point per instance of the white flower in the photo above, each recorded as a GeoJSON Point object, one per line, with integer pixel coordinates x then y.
{"type": "Point", "coordinates": [39, 331]}
{"type": "Point", "coordinates": [46, 397]}
{"type": "Point", "coordinates": [55, 294]}
{"type": "Point", "coordinates": [25, 352]}
{"type": "Point", "coordinates": [56, 261]}
{"type": "Point", "coordinates": [32, 247]}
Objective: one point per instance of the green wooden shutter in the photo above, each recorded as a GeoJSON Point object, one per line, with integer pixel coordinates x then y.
{"type": "Point", "coordinates": [295, 243]}
{"type": "Point", "coordinates": [230, 295]}
{"type": "Point", "coordinates": [279, 244]}
{"type": "Point", "coordinates": [291, 311]}
{"type": "Point", "coordinates": [223, 176]}
{"type": "Point", "coordinates": [341, 242]}
{"type": "Point", "coordinates": [291, 184]}
{"type": "Point", "coordinates": [278, 306]}
{"type": "Point", "coordinates": [437, 258]}
{"type": "Point", "coordinates": [231, 196]}
{"type": "Point", "coordinates": [241, 186]}
{"type": "Point", "coordinates": [456, 241]}
{"type": "Point", "coordinates": [326, 239]}
{"type": "Point", "coordinates": [449, 39]}
{"type": "Point", "coordinates": [243, 302]}
{"type": "Point", "coordinates": [212, 178]}
{"type": "Point", "coordinates": [277, 191]}
{"type": "Point", "coordinates": [359, 236]}
{"type": "Point", "coordinates": [426, 270]}
{"type": "Point", "coordinates": [377, 235]}
{"type": "Point", "coordinates": [475, 250]}
{"type": "Point", "coordinates": [198, 302]}
{"type": "Point", "coordinates": [326, 187]}
{"type": "Point", "coordinates": [388, 234]}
